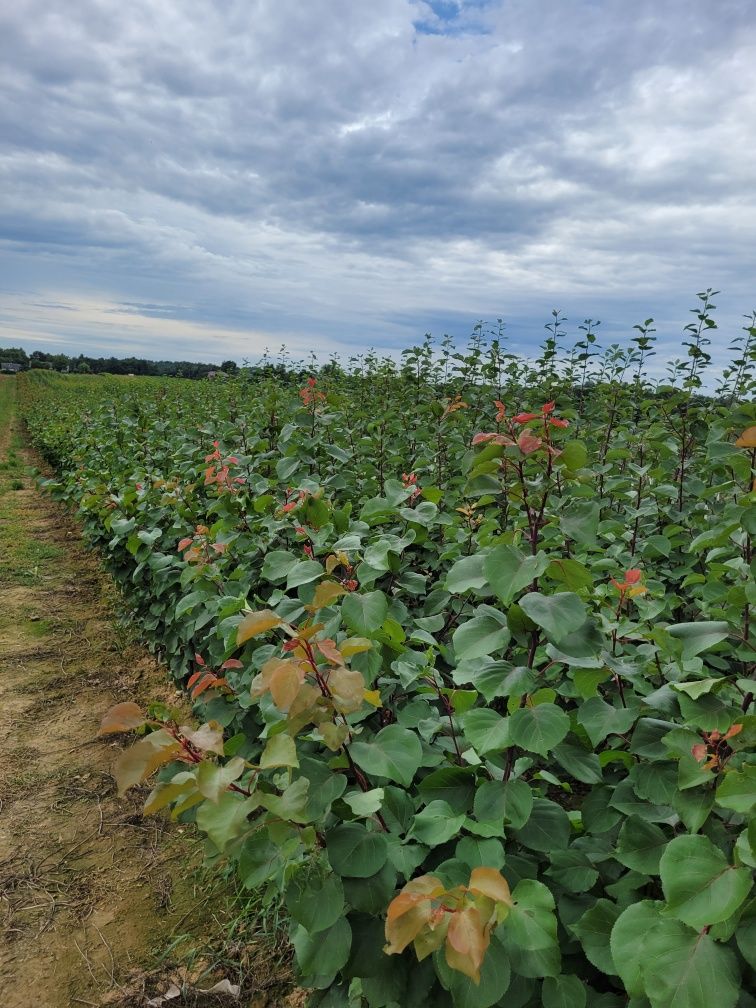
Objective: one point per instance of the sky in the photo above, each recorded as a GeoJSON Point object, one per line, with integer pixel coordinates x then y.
{"type": "Point", "coordinates": [205, 179]}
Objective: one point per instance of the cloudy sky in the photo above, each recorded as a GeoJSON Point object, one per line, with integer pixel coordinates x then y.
{"type": "Point", "coordinates": [207, 178]}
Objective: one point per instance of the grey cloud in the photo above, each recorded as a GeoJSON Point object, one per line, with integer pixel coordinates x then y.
{"type": "Point", "coordinates": [326, 167]}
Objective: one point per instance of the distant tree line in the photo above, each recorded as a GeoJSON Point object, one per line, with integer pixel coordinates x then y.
{"type": "Point", "coordinates": [82, 364]}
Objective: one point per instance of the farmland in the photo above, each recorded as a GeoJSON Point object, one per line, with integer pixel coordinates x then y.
{"type": "Point", "coordinates": [471, 646]}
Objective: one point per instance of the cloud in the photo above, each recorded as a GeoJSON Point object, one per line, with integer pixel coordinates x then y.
{"type": "Point", "coordinates": [340, 175]}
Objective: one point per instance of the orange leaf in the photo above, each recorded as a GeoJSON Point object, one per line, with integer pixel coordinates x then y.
{"type": "Point", "coordinates": [410, 911]}
{"type": "Point", "coordinates": [256, 623]}
{"type": "Point", "coordinates": [325, 593]}
{"type": "Point", "coordinates": [489, 882]}
{"type": "Point", "coordinates": [633, 576]}
{"type": "Point", "coordinates": [123, 717]}
{"type": "Point", "coordinates": [747, 439]}
{"type": "Point", "coordinates": [329, 651]}
{"type": "Point", "coordinates": [735, 730]}
{"type": "Point", "coordinates": [284, 684]}
{"type": "Point", "coordinates": [466, 942]}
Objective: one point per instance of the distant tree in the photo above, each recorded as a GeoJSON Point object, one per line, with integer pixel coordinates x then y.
{"type": "Point", "coordinates": [229, 366]}
{"type": "Point", "coordinates": [14, 355]}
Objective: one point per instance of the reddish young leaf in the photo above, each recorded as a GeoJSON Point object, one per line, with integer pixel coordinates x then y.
{"type": "Point", "coordinates": [528, 443]}
{"type": "Point", "coordinates": [208, 679]}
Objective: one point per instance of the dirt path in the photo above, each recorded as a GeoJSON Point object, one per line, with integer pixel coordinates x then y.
{"type": "Point", "coordinates": [88, 889]}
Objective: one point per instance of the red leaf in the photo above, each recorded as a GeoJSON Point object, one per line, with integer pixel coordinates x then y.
{"type": "Point", "coordinates": [699, 752]}
{"type": "Point", "coordinates": [199, 659]}
{"type": "Point", "coordinates": [548, 407]}
{"type": "Point", "coordinates": [528, 443]}
{"type": "Point", "coordinates": [205, 682]}
{"type": "Point", "coordinates": [185, 542]}
{"type": "Point", "coordinates": [232, 663]}
{"type": "Point", "coordinates": [521, 418]}
{"type": "Point", "coordinates": [555, 422]}
{"type": "Point", "coordinates": [633, 576]}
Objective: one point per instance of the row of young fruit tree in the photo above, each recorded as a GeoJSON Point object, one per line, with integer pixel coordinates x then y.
{"type": "Point", "coordinates": [471, 647]}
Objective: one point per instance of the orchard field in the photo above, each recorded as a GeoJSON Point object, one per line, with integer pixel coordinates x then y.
{"type": "Point", "coordinates": [471, 642]}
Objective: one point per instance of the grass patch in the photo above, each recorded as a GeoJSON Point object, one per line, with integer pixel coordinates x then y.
{"type": "Point", "coordinates": [232, 932]}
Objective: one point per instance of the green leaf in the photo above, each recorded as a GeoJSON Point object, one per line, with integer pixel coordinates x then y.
{"type": "Point", "coordinates": [481, 636]}
{"type": "Point", "coordinates": [571, 573]}
{"type": "Point", "coordinates": [601, 719]}
{"type": "Point", "coordinates": [436, 824]}
{"type": "Point", "coordinates": [627, 943]}
{"type": "Point", "coordinates": [372, 895]}
{"type": "Point", "coordinates": [213, 779]}
{"type": "Point", "coordinates": [364, 614]}
{"type": "Point", "coordinates": [593, 930]}
{"type": "Point", "coordinates": [303, 572]}
{"type": "Point", "coordinates": [466, 574]}
{"type": "Point", "coordinates": [572, 869]}
{"type": "Point", "coordinates": [563, 992]}
{"type": "Point", "coordinates": [315, 898]}
{"type": "Point", "coordinates": [738, 790]}
{"type": "Point", "coordinates": [292, 804]}
{"type": "Point", "coordinates": [531, 923]}
{"type": "Point", "coordinates": [509, 571]}
{"type": "Point", "coordinates": [455, 785]}
{"type": "Point", "coordinates": [640, 845]}
{"type": "Point", "coordinates": [547, 828]}
{"type": "Point", "coordinates": [395, 753]}
{"type": "Point", "coordinates": [698, 687]}
{"type": "Point", "coordinates": [558, 615]}
{"type": "Point", "coordinates": [280, 751]}
{"type": "Point", "coordinates": [495, 976]}
{"type": "Point", "coordinates": [579, 763]}
{"type": "Point", "coordinates": [486, 730]}
{"type": "Point", "coordinates": [496, 801]}
{"type": "Point", "coordinates": [581, 522]}
{"type": "Point", "coordinates": [480, 853]}
{"type": "Point", "coordinates": [277, 565]}
{"type": "Point", "coordinates": [225, 819]}
{"type": "Point", "coordinates": [698, 637]}
{"type": "Point", "coordinates": [539, 729]}
{"type": "Point", "coordinates": [321, 955]}
{"type": "Point", "coordinates": [700, 886]}
{"type": "Point", "coordinates": [365, 803]}
{"type": "Point", "coordinates": [260, 861]}
{"type": "Point", "coordinates": [685, 969]}
{"type": "Point", "coordinates": [356, 852]}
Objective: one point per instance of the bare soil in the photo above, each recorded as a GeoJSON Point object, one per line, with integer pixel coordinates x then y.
{"type": "Point", "coordinates": [90, 891]}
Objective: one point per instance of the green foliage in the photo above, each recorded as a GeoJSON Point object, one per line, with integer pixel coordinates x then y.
{"type": "Point", "coordinates": [435, 643]}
